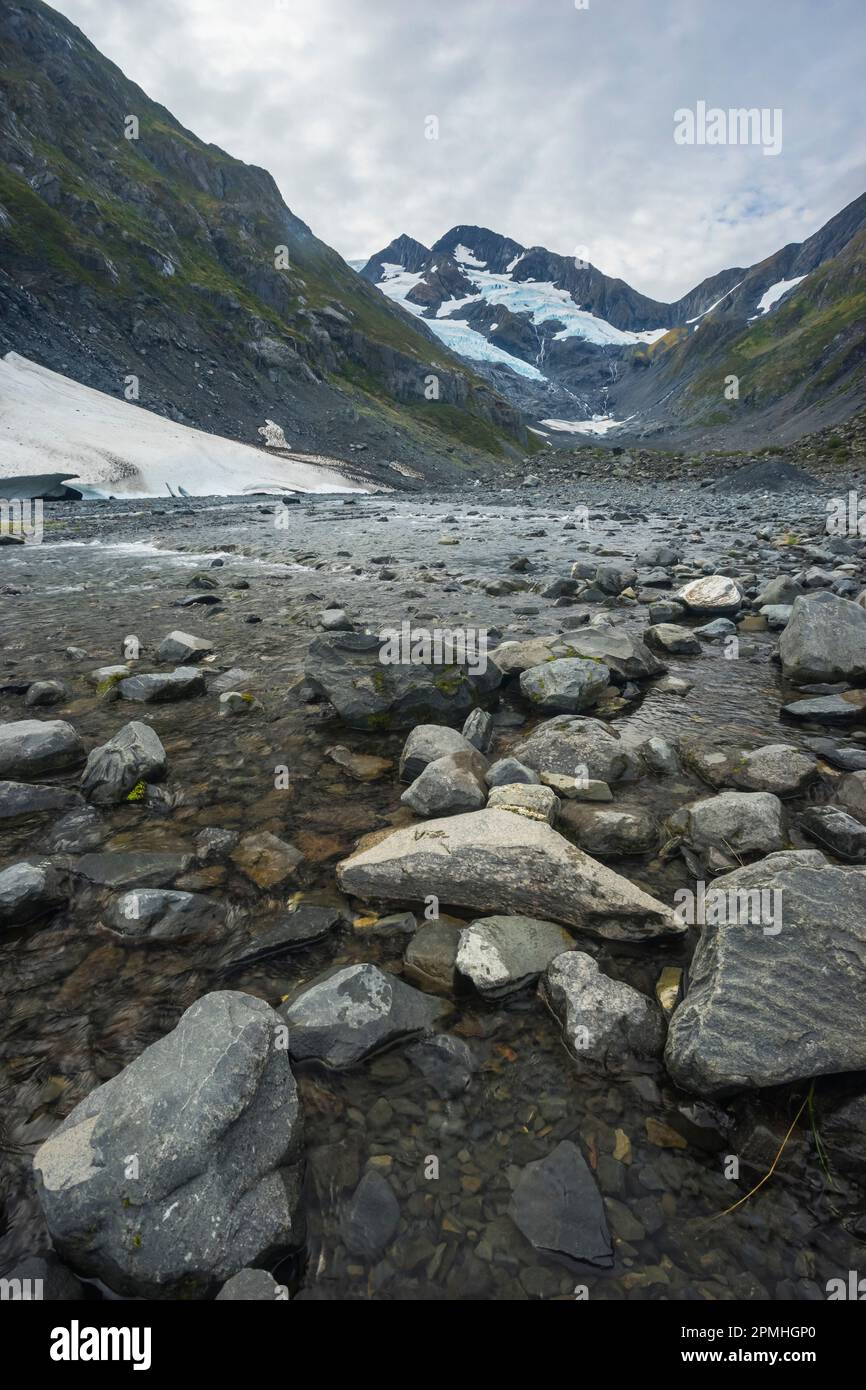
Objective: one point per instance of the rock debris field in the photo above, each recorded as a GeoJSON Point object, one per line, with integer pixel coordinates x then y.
{"type": "Point", "coordinates": [496, 970]}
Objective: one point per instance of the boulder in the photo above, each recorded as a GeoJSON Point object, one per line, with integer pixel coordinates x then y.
{"type": "Point", "coordinates": [355, 1010]}
{"type": "Point", "coordinates": [604, 1022]}
{"type": "Point", "coordinates": [449, 785]}
{"type": "Point", "coordinates": [611, 830]}
{"type": "Point", "coordinates": [500, 955]}
{"type": "Point", "coordinates": [495, 861]}
{"type": "Point", "coordinates": [825, 640]}
{"type": "Point", "coordinates": [558, 1207]}
{"type": "Point", "coordinates": [766, 1007]}
{"type": "Point", "coordinates": [667, 637]}
{"type": "Point", "coordinates": [626, 657]}
{"type": "Point", "coordinates": [134, 755]}
{"type": "Point", "coordinates": [567, 685]}
{"type": "Point", "coordinates": [578, 746]}
{"type": "Point", "coordinates": [722, 828]}
{"type": "Point", "coordinates": [46, 693]}
{"type": "Point", "coordinates": [30, 748]}
{"type": "Point", "coordinates": [430, 958]}
{"type": "Point", "coordinates": [371, 693]}
{"type": "Point", "coordinates": [777, 767]}
{"type": "Point", "coordinates": [183, 1168]}
{"type": "Point", "coordinates": [716, 594]}
{"type": "Point", "coordinates": [425, 744]}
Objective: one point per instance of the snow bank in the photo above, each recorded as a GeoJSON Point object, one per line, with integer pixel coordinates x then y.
{"type": "Point", "coordinates": [107, 447]}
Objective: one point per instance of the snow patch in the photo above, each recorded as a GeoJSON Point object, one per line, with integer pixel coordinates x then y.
{"type": "Point", "coordinates": [597, 424]}
{"type": "Point", "coordinates": [774, 294]}
{"type": "Point", "coordinates": [105, 446]}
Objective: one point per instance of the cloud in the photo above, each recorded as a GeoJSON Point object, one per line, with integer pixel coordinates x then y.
{"type": "Point", "coordinates": [555, 123]}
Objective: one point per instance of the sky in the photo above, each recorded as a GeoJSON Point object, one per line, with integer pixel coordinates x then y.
{"type": "Point", "coordinates": [555, 119]}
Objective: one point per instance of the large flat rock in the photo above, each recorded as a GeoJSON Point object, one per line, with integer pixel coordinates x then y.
{"type": "Point", "coordinates": [500, 862]}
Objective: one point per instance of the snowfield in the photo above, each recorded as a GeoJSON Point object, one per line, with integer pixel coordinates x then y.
{"type": "Point", "coordinates": [774, 294]}
{"type": "Point", "coordinates": [108, 447]}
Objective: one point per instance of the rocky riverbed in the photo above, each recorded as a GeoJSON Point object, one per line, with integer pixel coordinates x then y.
{"type": "Point", "coordinates": [499, 977]}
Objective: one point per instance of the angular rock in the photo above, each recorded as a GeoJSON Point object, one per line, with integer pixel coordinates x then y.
{"type": "Point", "coordinates": [158, 687]}
{"type": "Point", "coordinates": [558, 1207]}
{"type": "Point", "coordinates": [134, 755]}
{"type": "Point", "coordinates": [537, 803]}
{"type": "Point", "coordinates": [576, 788]}
{"type": "Point", "coordinates": [479, 729]}
{"type": "Point", "coordinates": [355, 1010]}
{"type": "Point", "coordinates": [29, 890]}
{"type": "Point", "coordinates": [33, 747]}
{"type": "Point", "coordinates": [210, 1114]}
{"type": "Point", "coordinates": [293, 931]}
{"type": "Point", "coordinates": [604, 1022]}
{"type": "Point", "coordinates": [19, 800]}
{"type": "Point", "coordinates": [363, 767]}
{"type": "Point", "coordinates": [445, 1061]}
{"type": "Point", "coordinates": [508, 771]}
{"type": "Point", "coordinates": [131, 870]}
{"type": "Point", "coordinates": [495, 861]}
{"type": "Point", "coordinates": [825, 640]}
{"type": "Point", "coordinates": [667, 637]}
{"type": "Point", "coordinates": [449, 785]}
{"type": "Point", "coordinates": [503, 954]}
{"type": "Point", "coordinates": [268, 861]}
{"type": "Point", "coordinates": [425, 744]}
{"type": "Point", "coordinates": [430, 958]}
{"type": "Point", "coordinates": [765, 1008]}
{"type": "Point", "coordinates": [158, 914]}
{"type": "Point", "coordinates": [568, 685]}
{"type": "Point", "coordinates": [845, 708]}
{"type": "Point", "coordinates": [371, 1219]}
{"type": "Point", "coordinates": [183, 648]}
{"type": "Point", "coordinates": [837, 831]}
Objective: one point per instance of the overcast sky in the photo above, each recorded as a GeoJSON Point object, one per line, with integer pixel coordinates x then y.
{"type": "Point", "coordinates": [555, 123]}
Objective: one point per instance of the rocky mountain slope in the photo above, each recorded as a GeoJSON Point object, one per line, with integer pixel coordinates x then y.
{"type": "Point", "coordinates": [562, 339]}
{"type": "Point", "coordinates": [161, 269]}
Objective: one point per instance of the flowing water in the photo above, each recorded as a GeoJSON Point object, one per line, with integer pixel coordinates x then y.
{"type": "Point", "coordinates": [79, 1004]}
